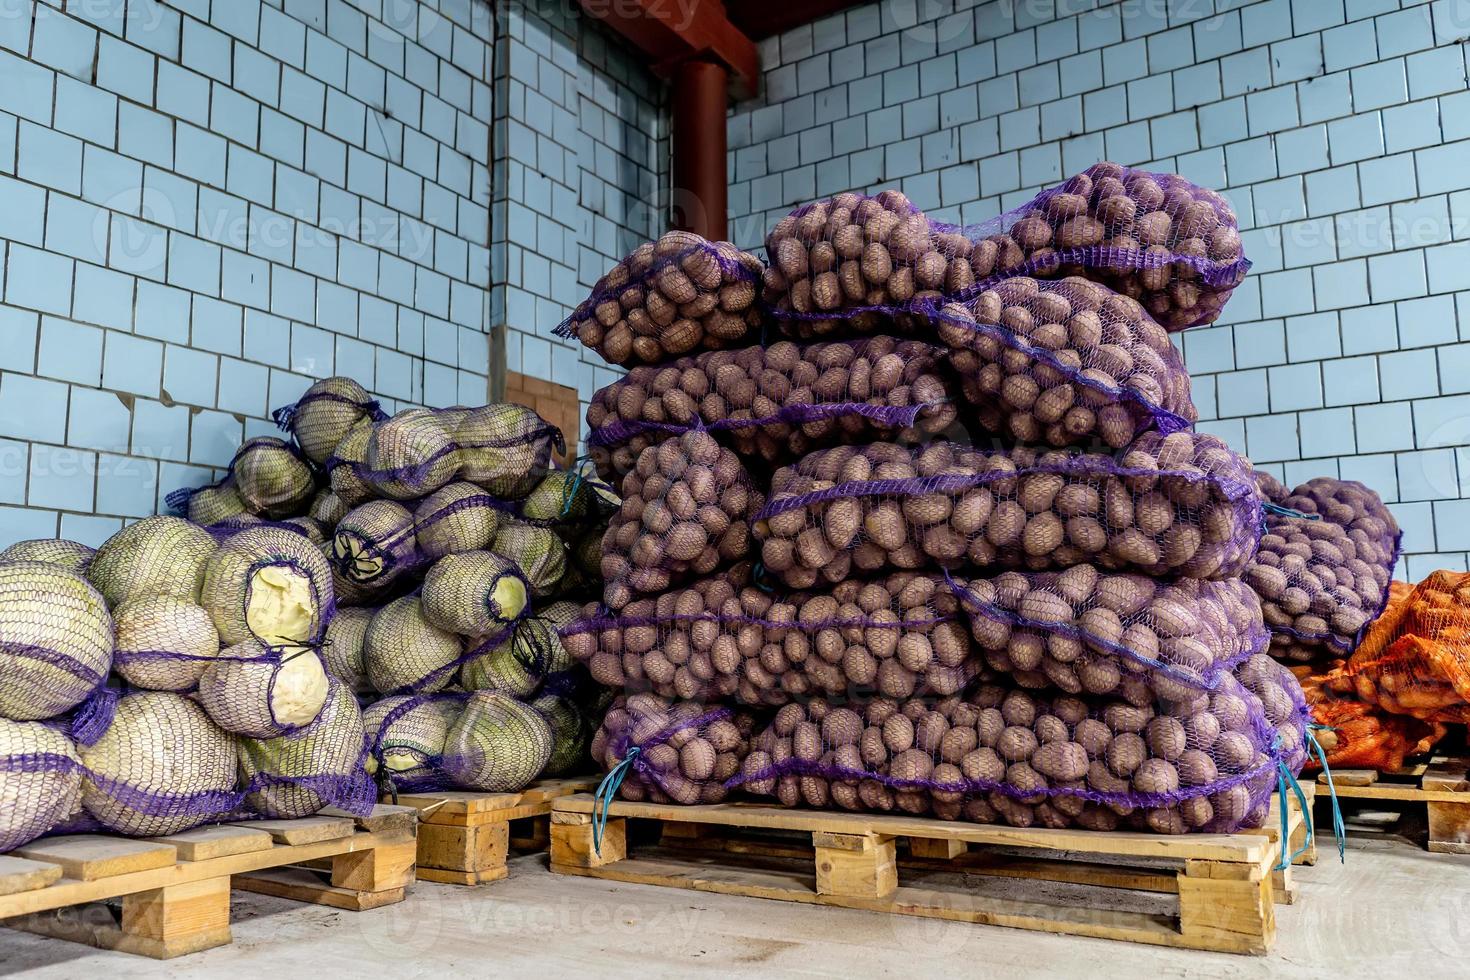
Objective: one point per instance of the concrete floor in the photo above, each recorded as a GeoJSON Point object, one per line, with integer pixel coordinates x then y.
{"type": "Point", "coordinates": [1392, 910]}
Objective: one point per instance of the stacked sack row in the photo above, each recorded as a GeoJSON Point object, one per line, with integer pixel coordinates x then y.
{"type": "Point", "coordinates": [456, 552]}
{"type": "Point", "coordinates": [951, 548]}
{"type": "Point", "coordinates": [210, 668]}
{"type": "Point", "coordinates": [168, 680]}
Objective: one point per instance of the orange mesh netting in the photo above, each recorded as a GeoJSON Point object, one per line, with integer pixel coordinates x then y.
{"type": "Point", "coordinates": [1415, 658]}
{"type": "Point", "coordinates": [1356, 735]}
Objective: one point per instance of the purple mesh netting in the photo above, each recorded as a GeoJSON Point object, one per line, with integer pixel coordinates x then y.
{"type": "Point", "coordinates": [323, 764]}
{"type": "Point", "coordinates": [267, 477]}
{"type": "Point", "coordinates": [406, 653]}
{"type": "Point", "coordinates": [1065, 363]}
{"type": "Point", "coordinates": [670, 297]}
{"type": "Point", "coordinates": [854, 263]}
{"type": "Point", "coordinates": [776, 402]}
{"type": "Point", "coordinates": [1088, 632]}
{"type": "Point", "coordinates": [52, 551]}
{"type": "Point", "coordinates": [163, 643]}
{"type": "Point", "coordinates": [1181, 504]}
{"type": "Point", "coordinates": [1323, 567]}
{"type": "Point", "coordinates": [1284, 703]}
{"type": "Point", "coordinates": [405, 738]}
{"type": "Point", "coordinates": [161, 767]}
{"type": "Point", "coordinates": [263, 691]}
{"type": "Point", "coordinates": [687, 509]}
{"type": "Point", "coordinates": [1000, 755]}
{"type": "Point", "coordinates": [323, 416]}
{"type": "Point", "coordinates": [271, 585]}
{"type": "Point", "coordinates": [497, 745]}
{"type": "Point", "coordinates": [686, 751]}
{"type": "Point", "coordinates": [504, 448]}
{"type": "Point", "coordinates": [40, 781]}
{"type": "Point", "coordinates": [724, 637]}
{"type": "Point", "coordinates": [56, 638]}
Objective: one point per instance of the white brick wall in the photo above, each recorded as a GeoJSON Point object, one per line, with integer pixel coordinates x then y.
{"type": "Point", "coordinates": [205, 204]}
{"type": "Point", "coordinates": [584, 134]}
{"type": "Point", "coordinates": [1339, 129]}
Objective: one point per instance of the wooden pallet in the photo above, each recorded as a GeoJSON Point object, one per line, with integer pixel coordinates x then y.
{"type": "Point", "coordinates": [1441, 784]}
{"type": "Point", "coordinates": [466, 838]}
{"type": "Point", "coordinates": [1200, 891]}
{"type": "Point", "coordinates": [169, 896]}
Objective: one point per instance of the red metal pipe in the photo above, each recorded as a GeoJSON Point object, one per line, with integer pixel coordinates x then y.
{"type": "Point", "coordinates": [699, 181]}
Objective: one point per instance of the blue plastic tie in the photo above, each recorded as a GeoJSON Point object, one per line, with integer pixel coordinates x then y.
{"type": "Point", "coordinates": [758, 578]}
{"type": "Point", "coordinates": [1283, 777]}
{"type": "Point", "coordinates": [1281, 511]}
{"type": "Point", "coordinates": [1339, 828]}
{"type": "Point", "coordinates": [607, 791]}
{"type": "Point", "coordinates": [569, 496]}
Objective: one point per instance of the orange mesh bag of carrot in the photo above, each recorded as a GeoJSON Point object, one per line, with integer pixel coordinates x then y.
{"type": "Point", "coordinates": [1415, 658]}
{"type": "Point", "coordinates": [1356, 735]}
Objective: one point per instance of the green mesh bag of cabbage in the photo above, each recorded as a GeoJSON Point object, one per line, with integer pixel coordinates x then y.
{"type": "Point", "coordinates": [503, 448]}
{"type": "Point", "coordinates": [270, 584]}
{"type": "Point", "coordinates": [56, 640]}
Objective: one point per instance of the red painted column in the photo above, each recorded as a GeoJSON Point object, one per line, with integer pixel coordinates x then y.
{"type": "Point", "coordinates": [700, 183]}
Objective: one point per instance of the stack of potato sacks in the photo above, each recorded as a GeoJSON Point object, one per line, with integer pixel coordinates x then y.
{"type": "Point", "coordinates": [453, 547]}
{"type": "Point", "coordinates": [185, 664]}
{"type": "Point", "coordinates": [952, 548]}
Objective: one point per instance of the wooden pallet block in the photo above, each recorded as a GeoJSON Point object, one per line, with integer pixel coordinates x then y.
{"type": "Point", "coordinates": [1442, 784]}
{"type": "Point", "coordinates": [1223, 882]}
{"type": "Point", "coordinates": [465, 838]}
{"type": "Point", "coordinates": [171, 896]}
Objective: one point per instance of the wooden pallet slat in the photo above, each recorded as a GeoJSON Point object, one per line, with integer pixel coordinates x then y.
{"type": "Point", "coordinates": [307, 830]}
{"type": "Point", "coordinates": [1222, 884]}
{"type": "Point", "coordinates": [23, 875]}
{"type": "Point", "coordinates": [89, 857]}
{"type": "Point", "coordinates": [170, 897]}
{"type": "Point", "coordinates": [204, 843]}
{"type": "Point", "coordinates": [1441, 783]}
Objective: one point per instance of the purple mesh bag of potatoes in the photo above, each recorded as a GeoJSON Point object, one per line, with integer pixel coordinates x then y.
{"type": "Point", "coordinates": [668, 298]}
{"type": "Point", "coordinates": [1065, 363]}
{"type": "Point", "coordinates": [686, 510]}
{"type": "Point", "coordinates": [1000, 754]}
{"type": "Point", "coordinates": [686, 751]}
{"type": "Point", "coordinates": [1085, 631]}
{"type": "Point", "coordinates": [1326, 556]}
{"type": "Point", "coordinates": [774, 403]}
{"type": "Point", "coordinates": [724, 637]}
{"type": "Point", "coordinates": [858, 263]}
{"type": "Point", "coordinates": [1181, 504]}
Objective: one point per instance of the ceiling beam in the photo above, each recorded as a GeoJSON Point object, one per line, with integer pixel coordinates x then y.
{"type": "Point", "coordinates": [671, 32]}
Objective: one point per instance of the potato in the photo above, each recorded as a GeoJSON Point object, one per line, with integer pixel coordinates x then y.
{"type": "Point", "coordinates": [1180, 504]}
{"type": "Point", "coordinates": [668, 298]}
{"type": "Point", "coordinates": [686, 510]}
{"type": "Point", "coordinates": [777, 402]}
{"type": "Point", "coordinates": [1170, 245]}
